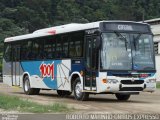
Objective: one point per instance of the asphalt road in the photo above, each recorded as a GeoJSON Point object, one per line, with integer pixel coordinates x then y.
{"type": "Point", "coordinates": [144, 103]}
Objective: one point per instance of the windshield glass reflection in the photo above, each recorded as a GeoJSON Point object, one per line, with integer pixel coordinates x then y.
{"type": "Point", "coordinates": [125, 51]}
{"type": "Point", "coordinates": [116, 51]}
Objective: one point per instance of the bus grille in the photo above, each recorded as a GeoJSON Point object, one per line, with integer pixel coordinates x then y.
{"type": "Point", "coordinates": [131, 89]}
{"type": "Point", "coordinates": [132, 75]}
{"type": "Point", "coordinates": [132, 82]}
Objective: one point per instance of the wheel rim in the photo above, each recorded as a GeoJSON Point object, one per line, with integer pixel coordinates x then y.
{"type": "Point", "coordinates": [26, 85]}
{"type": "Point", "coordinates": [78, 89]}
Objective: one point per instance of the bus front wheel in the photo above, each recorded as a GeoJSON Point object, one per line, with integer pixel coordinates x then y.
{"type": "Point", "coordinates": [27, 89]}
{"type": "Point", "coordinates": [122, 97]}
{"type": "Point", "coordinates": [78, 94]}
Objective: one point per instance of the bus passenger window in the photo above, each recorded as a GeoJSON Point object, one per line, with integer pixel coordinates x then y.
{"type": "Point", "coordinates": [65, 49]}
{"type": "Point", "coordinates": [65, 45]}
{"type": "Point", "coordinates": [49, 48]}
{"type": "Point", "coordinates": [71, 49]}
{"type": "Point", "coordinates": [78, 48]}
{"type": "Point", "coordinates": [24, 50]}
{"type": "Point", "coordinates": [75, 45]}
{"type": "Point", "coordinates": [38, 49]}
{"type": "Point", "coordinates": [58, 48]}
{"type": "Point", "coordinates": [7, 52]}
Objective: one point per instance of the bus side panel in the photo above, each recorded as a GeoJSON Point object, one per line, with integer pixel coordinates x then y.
{"type": "Point", "coordinates": [37, 74]}
{"type": "Point", "coordinates": [48, 74]}
{"type": "Point", "coordinates": [63, 71]}
{"type": "Point", "coordinates": [7, 77]}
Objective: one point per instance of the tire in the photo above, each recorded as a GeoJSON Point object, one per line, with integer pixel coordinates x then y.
{"type": "Point", "coordinates": [122, 97]}
{"type": "Point", "coordinates": [77, 91]}
{"type": "Point", "coordinates": [27, 89]}
{"type": "Point", "coordinates": [63, 93]}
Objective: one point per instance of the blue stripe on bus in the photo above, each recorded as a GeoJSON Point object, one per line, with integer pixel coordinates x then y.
{"type": "Point", "coordinates": [77, 67]}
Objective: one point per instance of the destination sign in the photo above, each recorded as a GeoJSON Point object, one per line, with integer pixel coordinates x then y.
{"type": "Point", "coordinates": [125, 26]}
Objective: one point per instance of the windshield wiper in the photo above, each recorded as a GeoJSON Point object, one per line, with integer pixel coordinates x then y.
{"type": "Point", "coordinates": [119, 34]}
{"type": "Point", "coordinates": [135, 40]}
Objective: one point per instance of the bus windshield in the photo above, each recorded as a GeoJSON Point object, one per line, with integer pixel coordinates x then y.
{"type": "Point", "coordinates": [142, 52]}
{"type": "Point", "coordinates": [125, 51]}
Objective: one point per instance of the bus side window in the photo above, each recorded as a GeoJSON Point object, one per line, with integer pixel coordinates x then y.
{"type": "Point", "coordinates": [16, 51]}
{"type": "Point", "coordinates": [95, 54]}
{"type": "Point", "coordinates": [71, 49]}
{"type": "Point", "coordinates": [28, 49]}
{"type": "Point", "coordinates": [50, 47]}
{"type": "Point", "coordinates": [65, 49]}
{"type": "Point", "coordinates": [38, 49]}
{"type": "Point", "coordinates": [78, 48]}
{"type": "Point", "coordinates": [7, 52]}
{"type": "Point", "coordinates": [41, 52]}
{"type": "Point", "coordinates": [88, 52]}
{"type": "Point", "coordinates": [58, 47]}
{"type": "Point", "coordinates": [65, 46]}
{"type": "Point", "coordinates": [24, 50]}
{"type": "Point", "coordinates": [76, 45]}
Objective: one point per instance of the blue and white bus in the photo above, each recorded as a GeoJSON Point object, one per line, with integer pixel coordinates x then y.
{"type": "Point", "coordinates": [110, 57]}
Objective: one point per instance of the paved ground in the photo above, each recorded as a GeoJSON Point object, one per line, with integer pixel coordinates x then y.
{"type": "Point", "coordinates": [103, 103]}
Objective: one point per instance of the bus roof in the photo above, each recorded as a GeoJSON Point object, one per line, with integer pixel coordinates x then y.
{"type": "Point", "coordinates": [59, 29]}
{"type": "Point", "coordinates": [54, 30]}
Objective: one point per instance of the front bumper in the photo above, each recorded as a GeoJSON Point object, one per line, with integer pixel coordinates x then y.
{"type": "Point", "coordinates": [126, 85]}
{"type": "Point", "coordinates": [150, 87]}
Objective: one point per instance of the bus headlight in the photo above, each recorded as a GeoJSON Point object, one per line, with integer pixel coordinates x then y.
{"type": "Point", "coordinates": [114, 81]}
{"type": "Point", "coordinates": [152, 80]}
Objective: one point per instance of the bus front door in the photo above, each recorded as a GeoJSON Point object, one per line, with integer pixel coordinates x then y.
{"type": "Point", "coordinates": [91, 64]}
{"type": "Point", "coordinates": [15, 65]}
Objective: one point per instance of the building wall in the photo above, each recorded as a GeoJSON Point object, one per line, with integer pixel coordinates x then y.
{"type": "Point", "coordinates": [157, 58]}
{"type": "Point", "coordinates": [155, 26]}
{"type": "Point", "coordinates": [158, 67]}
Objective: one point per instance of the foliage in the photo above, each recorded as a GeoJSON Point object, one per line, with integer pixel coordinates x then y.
{"type": "Point", "coordinates": [0, 66]}
{"type": "Point", "coordinates": [15, 103]}
{"type": "Point", "coordinates": [1, 62]}
{"type": "Point", "coordinates": [25, 16]}
{"type": "Point", "coordinates": [158, 85]}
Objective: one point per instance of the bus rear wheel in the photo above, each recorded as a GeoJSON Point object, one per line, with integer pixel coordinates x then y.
{"type": "Point", "coordinates": [78, 94]}
{"type": "Point", "coordinates": [63, 93]}
{"type": "Point", "coordinates": [122, 97]}
{"type": "Point", "coordinates": [27, 89]}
